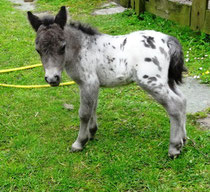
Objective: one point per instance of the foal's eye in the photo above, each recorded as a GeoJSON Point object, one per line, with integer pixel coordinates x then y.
{"type": "Point", "coordinates": [62, 50]}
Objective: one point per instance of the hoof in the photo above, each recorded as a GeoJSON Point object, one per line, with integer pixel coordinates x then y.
{"type": "Point", "coordinates": [175, 148]}
{"type": "Point", "coordinates": [76, 146]}
{"type": "Point", "coordinates": [174, 153]}
{"type": "Point", "coordinates": [93, 132]}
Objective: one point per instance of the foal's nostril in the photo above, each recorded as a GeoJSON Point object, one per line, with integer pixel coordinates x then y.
{"type": "Point", "coordinates": [46, 79]}
{"type": "Point", "coordinates": [57, 78]}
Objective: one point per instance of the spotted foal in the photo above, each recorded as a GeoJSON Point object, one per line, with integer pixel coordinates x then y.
{"type": "Point", "coordinates": [151, 59]}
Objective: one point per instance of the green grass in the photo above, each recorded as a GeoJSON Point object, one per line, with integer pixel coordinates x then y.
{"type": "Point", "coordinates": [130, 150]}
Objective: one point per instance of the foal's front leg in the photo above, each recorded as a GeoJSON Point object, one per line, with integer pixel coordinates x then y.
{"type": "Point", "coordinates": [88, 100]}
{"type": "Point", "coordinates": [93, 127]}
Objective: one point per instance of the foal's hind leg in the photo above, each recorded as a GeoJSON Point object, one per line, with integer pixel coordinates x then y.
{"type": "Point", "coordinates": [88, 98]}
{"type": "Point", "coordinates": [184, 101]}
{"type": "Point", "coordinates": [176, 108]}
{"type": "Point", "coordinates": [175, 105]}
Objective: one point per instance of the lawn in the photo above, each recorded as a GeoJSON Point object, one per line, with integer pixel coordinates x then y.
{"type": "Point", "coordinates": [130, 149]}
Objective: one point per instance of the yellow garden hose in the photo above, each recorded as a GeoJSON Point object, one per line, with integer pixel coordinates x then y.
{"type": "Point", "coordinates": [28, 86]}
{"type": "Point", "coordinates": [20, 68]}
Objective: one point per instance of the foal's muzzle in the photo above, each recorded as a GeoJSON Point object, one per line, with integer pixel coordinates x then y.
{"type": "Point", "coordinates": [53, 81]}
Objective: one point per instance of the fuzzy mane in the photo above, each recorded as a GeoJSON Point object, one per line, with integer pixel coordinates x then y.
{"type": "Point", "coordinates": [85, 28]}
{"type": "Point", "coordinates": [47, 20]}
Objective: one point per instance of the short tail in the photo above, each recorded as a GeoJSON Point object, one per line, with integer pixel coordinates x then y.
{"type": "Point", "coordinates": [176, 66]}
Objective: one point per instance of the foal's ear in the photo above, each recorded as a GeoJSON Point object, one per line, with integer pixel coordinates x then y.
{"type": "Point", "coordinates": [34, 20]}
{"type": "Point", "coordinates": [61, 17]}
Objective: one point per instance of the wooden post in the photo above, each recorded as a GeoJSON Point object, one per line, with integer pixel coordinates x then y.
{"type": "Point", "coordinates": [138, 6]}
{"type": "Point", "coordinates": [206, 25]}
{"type": "Point", "coordinates": [198, 14]}
{"type": "Point", "coordinates": [141, 6]}
{"type": "Point", "coordinates": [133, 4]}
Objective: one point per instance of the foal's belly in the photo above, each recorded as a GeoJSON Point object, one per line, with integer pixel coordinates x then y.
{"type": "Point", "coordinates": [116, 82]}
{"type": "Point", "coordinates": [112, 78]}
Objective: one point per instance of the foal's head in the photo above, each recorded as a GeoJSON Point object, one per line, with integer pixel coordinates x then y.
{"type": "Point", "coordinates": [50, 43]}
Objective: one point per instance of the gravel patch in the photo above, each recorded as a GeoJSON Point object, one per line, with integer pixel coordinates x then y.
{"type": "Point", "coordinates": [109, 9]}
{"type": "Point", "coordinates": [198, 95]}
{"type": "Point", "coordinates": [205, 123]}
{"type": "Point", "coordinates": [24, 6]}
